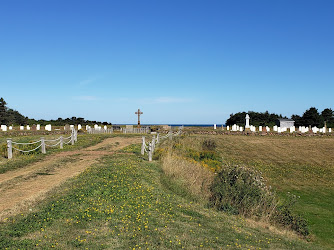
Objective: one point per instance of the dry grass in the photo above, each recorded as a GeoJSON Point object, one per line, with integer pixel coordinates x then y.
{"type": "Point", "coordinates": [193, 176]}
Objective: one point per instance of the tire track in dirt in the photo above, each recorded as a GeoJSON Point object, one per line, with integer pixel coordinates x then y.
{"type": "Point", "coordinates": [21, 188]}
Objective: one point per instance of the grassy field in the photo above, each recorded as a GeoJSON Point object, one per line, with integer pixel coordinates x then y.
{"type": "Point", "coordinates": [303, 166]}
{"type": "Point", "coordinates": [126, 202]}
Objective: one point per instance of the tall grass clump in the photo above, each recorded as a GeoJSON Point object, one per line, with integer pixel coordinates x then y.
{"type": "Point", "coordinates": [189, 174]}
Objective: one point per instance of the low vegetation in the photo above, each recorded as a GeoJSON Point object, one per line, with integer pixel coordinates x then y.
{"type": "Point", "coordinates": [127, 202]}
{"type": "Point", "coordinates": [300, 176]}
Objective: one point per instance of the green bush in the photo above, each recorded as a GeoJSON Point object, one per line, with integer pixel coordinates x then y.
{"type": "Point", "coordinates": [240, 190]}
{"type": "Point", "coordinates": [209, 145]}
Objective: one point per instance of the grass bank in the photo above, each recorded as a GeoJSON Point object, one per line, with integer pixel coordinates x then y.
{"type": "Point", "coordinates": [303, 166]}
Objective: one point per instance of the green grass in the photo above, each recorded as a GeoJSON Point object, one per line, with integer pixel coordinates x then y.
{"type": "Point", "coordinates": [300, 165]}
{"type": "Point", "coordinates": [125, 202]}
{"type": "Point", "coordinates": [23, 159]}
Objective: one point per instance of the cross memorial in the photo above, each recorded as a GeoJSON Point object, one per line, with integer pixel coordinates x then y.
{"type": "Point", "coordinates": [139, 113]}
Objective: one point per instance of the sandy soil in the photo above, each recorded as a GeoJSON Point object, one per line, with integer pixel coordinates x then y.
{"type": "Point", "coordinates": [21, 188]}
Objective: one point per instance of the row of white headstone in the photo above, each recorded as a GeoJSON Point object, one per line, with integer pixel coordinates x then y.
{"type": "Point", "coordinates": [38, 127]}
{"type": "Point", "coordinates": [277, 129]}
{"type": "Point", "coordinates": [49, 127]}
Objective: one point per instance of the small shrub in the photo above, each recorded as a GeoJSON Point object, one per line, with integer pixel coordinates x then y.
{"type": "Point", "coordinates": [209, 145]}
{"type": "Point", "coordinates": [240, 190]}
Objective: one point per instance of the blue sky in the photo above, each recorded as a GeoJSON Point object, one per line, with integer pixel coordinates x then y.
{"type": "Point", "coordinates": [178, 61]}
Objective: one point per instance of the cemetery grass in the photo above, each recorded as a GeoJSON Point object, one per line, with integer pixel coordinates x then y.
{"type": "Point", "coordinates": [126, 202]}
{"type": "Point", "coordinates": [21, 160]}
{"type": "Point", "coordinates": [303, 166]}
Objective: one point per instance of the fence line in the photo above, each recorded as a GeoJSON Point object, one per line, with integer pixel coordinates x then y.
{"type": "Point", "coordinates": [73, 138]}
{"type": "Point", "coordinates": [136, 130]}
{"type": "Point", "coordinates": [100, 131]}
{"type": "Point", "coordinates": [150, 146]}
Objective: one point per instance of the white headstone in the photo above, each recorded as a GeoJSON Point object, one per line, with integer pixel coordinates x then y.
{"type": "Point", "coordinates": [71, 127]}
{"type": "Point", "coordinates": [10, 127]}
{"type": "Point", "coordinates": [315, 130]}
{"type": "Point", "coordinates": [105, 127]}
{"type": "Point", "coordinates": [38, 127]}
{"type": "Point", "coordinates": [330, 130]}
{"type": "Point", "coordinates": [241, 129]}
{"type": "Point", "coordinates": [79, 126]}
{"type": "Point", "coordinates": [324, 130]}
{"type": "Point", "coordinates": [96, 126]}
{"type": "Point", "coordinates": [275, 128]}
{"type": "Point", "coordinates": [48, 127]}
{"type": "Point", "coordinates": [28, 127]}
{"type": "Point", "coordinates": [260, 128]}
{"type": "Point", "coordinates": [247, 121]}
{"type": "Point", "coordinates": [228, 128]}
{"type": "Point", "coordinates": [4, 128]}
{"type": "Point", "coordinates": [234, 127]}
{"type": "Point", "coordinates": [21, 127]}
{"type": "Point", "coordinates": [214, 126]}
{"type": "Point", "coordinates": [279, 130]}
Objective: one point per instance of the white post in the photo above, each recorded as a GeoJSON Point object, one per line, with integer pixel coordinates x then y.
{"type": "Point", "coordinates": [143, 146]}
{"type": "Point", "coordinates": [72, 138]}
{"type": "Point", "coordinates": [158, 138]}
{"type": "Point", "coordinates": [247, 121]}
{"type": "Point", "coordinates": [43, 145]}
{"type": "Point", "coordinates": [170, 135]}
{"type": "Point", "coordinates": [9, 148]}
{"type": "Point", "coordinates": [75, 135]}
{"type": "Point", "coordinates": [150, 152]}
{"type": "Point", "coordinates": [153, 143]}
{"type": "Point", "coordinates": [61, 142]}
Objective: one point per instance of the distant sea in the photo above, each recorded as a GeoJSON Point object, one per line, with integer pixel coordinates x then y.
{"type": "Point", "coordinates": [178, 125]}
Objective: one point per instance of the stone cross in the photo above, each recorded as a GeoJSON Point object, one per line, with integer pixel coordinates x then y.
{"type": "Point", "coordinates": [139, 113]}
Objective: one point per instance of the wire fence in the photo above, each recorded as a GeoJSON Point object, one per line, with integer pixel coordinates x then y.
{"type": "Point", "coordinates": [150, 146]}
{"type": "Point", "coordinates": [28, 147]}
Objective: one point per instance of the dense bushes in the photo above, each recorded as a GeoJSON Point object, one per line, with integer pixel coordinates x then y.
{"type": "Point", "coordinates": [240, 190]}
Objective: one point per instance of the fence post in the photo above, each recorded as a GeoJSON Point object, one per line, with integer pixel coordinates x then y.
{"type": "Point", "coordinates": [153, 143]}
{"type": "Point", "coordinates": [43, 145]}
{"type": "Point", "coordinates": [143, 146]}
{"type": "Point", "coordinates": [72, 138]}
{"type": "Point", "coordinates": [9, 148]}
{"type": "Point", "coordinates": [170, 135]}
{"type": "Point", "coordinates": [76, 135]}
{"type": "Point", "coordinates": [158, 139]}
{"type": "Point", "coordinates": [61, 142]}
{"type": "Point", "coordinates": [150, 151]}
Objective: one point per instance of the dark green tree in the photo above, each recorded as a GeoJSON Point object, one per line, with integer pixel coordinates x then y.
{"type": "Point", "coordinates": [312, 117]}
{"type": "Point", "coordinates": [3, 111]}
{"type": "Point", "coordinates": [328, 116]}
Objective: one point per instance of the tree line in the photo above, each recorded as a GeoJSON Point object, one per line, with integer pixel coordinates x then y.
{"type": "Point", "coordinates": [310, 117]}
{"type": "Point", "coordinates": [10, 116]}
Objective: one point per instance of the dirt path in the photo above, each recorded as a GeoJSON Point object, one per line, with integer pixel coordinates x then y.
{"type": "Point", "coordinates": [21, 188]}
